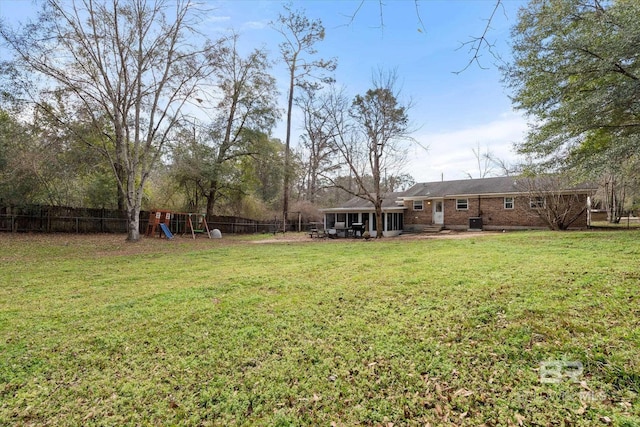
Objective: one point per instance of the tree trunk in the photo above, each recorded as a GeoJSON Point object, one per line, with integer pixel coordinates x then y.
{"type": "Point", "coordinates": [287, 149]}
{"type": "Point", "coordinates": [211, 198]}
{"type": "Point", "coordinates": [379, 224]}
{"type": "Point", "coordinates": [210, 204]}
{"type": "Point", "coordinates": [134, 203]}
{"type": "Point", "coordinates": [122, 206]}
{"type": "Point", "coordinates": [133, 223]}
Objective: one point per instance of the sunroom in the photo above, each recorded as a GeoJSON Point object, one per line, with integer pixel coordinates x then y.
{"type": "Point", "coordinates": [358, 215]}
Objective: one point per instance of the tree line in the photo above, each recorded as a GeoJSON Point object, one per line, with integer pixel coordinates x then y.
{"type": "Point", "coordinates": [125, 103]}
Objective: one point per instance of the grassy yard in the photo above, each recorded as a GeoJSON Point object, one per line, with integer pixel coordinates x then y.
{"type": "Point", "coordinates": [522, 329]}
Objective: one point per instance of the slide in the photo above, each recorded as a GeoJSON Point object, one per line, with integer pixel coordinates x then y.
{"type": "Point", "coordinates": [166, 231]}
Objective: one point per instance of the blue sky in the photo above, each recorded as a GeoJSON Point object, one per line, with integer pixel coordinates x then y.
{"type": "Point", "coordinates": [452, 114]}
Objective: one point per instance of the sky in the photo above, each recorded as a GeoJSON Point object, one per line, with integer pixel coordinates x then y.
{"type": "Point", "coordinates": [452, 113]}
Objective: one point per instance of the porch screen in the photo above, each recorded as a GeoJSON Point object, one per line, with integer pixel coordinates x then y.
{"type": "Point", "coordinates": [394, 221]}
{"type": "Point", "coordinates": [330, 220]}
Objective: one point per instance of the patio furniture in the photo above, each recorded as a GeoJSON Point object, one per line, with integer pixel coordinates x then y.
{"type": "Point", "coordinates": [317, 230]}
{"type": "Point", "coordinates": [357, 228]}
{"type": "Point", "coordinates": [341, 228]}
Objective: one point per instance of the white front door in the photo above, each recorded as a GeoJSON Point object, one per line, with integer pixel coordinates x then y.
{"type": "Point", "coordinates": [438, 212]}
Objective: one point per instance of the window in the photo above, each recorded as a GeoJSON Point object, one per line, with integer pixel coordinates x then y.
{"type": "Point", "coordinates": [330, 220]}
{"type": "Point", "coordinates": [536, 202]}
{"type": "Point", "coordinates": [393, 221]}
{"type": "Point", "coordinates": [462, 204]}
{"type": "Point", "coordinates": [508, 202]}
{"type": "Point", "coordinates": [418, 205]}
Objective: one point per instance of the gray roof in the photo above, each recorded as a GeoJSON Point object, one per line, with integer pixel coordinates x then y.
{"type": "Point", "coordinates": [475, 187]}
{"type": "Point", "coordinates": [501, 185]}
{"type": "Point", "coordinates": [358, 204]}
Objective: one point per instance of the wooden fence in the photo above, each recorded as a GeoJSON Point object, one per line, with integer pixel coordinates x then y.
{"type": "Point", "coordinates": [58, 219]}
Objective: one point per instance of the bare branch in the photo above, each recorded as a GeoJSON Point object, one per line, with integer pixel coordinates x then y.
{"type": "Point", "coordinates": [422, 28]}
{"type": "Point", "coordinates": [476, 44]}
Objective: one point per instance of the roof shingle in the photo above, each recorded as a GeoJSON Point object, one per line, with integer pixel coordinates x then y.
{"type": "Point", "coordinates": [441, 189]}
{"type": "Point", "coordinates": [475, 187]}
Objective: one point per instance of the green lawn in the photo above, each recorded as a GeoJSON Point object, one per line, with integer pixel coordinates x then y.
{"type": "Point", "coordinates": [95, 331]}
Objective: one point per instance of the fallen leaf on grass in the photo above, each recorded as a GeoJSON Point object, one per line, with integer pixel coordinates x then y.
{"type": "Point", "coordinates": [520, 419]}
{"type": "Point", "coordinates": [463, 392]}
{"type": "Point", "coordinates": [439, 411]}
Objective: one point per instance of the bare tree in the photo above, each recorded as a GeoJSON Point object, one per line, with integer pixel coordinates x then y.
{"type": "Point", "coordinates": [300, 36]}
{"type": "Point", "coordinates": [489, 164]}
{"type": "Point", "coordinates": [554, 199]}
{"type": "Point", "coordinates": [618, 189]}
{"type": "Point", "coordinates": [400, 182]}
{"type": "Point", "coordinates": [369, 138]}
{"type": "Point", "coordinates": [320, 152]}
{"type": "Point", "coordinates": [134, 63]}
{"type": "Point", "coordinates": [505, 167]}
{"type": "Point", "coordinates": [247, 101]}
{"type": "Point", "coordinates": [484, 161]}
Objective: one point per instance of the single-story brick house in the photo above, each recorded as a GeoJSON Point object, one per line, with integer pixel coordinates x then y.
{"type": "Point", "coordinates": [497, 203]}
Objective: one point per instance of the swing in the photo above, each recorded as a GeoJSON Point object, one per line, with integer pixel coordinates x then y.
{"type": "Point", "coordinates": [201, 221]}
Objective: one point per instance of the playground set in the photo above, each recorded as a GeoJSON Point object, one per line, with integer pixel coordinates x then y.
{"type": "Point", "coordinates": [161, 222]}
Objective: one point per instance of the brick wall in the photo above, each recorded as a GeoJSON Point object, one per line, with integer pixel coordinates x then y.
{"type": "Point", "coordinates": [492, 212]}
{"type": "Point", "coordinates": [454, 218]}
{"type": "Point", "coordinates": [415, 220]}
{"type": "Point", "coordinates": [496, 216]}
